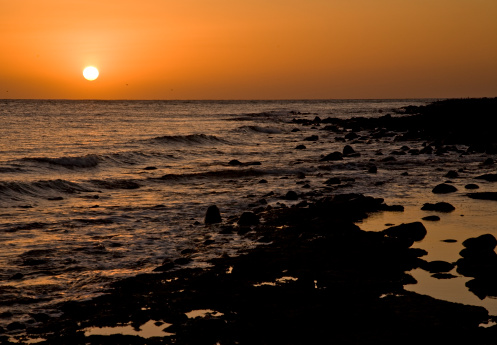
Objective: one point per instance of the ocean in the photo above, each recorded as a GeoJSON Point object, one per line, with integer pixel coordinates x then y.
{"type": "Point", "coordinates": [94, 191]}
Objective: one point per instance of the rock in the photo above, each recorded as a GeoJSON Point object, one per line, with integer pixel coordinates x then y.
{"type": "Point", "coordinates": [483, 195]}
{"type": "Point", "coordinates": [373, 169]}
{"type": "Point", "coordinates": [444, 188]}
{"type": "Point", "coordinates": [415, 231]}
{"type": "Point", "coordinates": [291, 195]}
{"type": "Point", "coordinates": [452, 174]}
{"type": "Point", "coordinates": [471, 186]}
{"type": "Point", "coordinates": [312, 138]}
{"type": "Point", "coordinates": [431, 218]}
{"type": "Point", "coordinates": [347, 150]}
{"type": "Point", "coordinates": [481, 243]}
{"type": "Point", "coordinates": [248, 219]}
{"type": "Point", "coordinates": [333, 180]}
{"type": "Point", "coordinates": [488, 161]}
{"type": "Point", "coordinates": [212, 215]}
{"type": "Point", "coordinates": [262, 181]}
{"type": "Point", "coordinates": [437, 266]}
{"type": "Point", "coordinates": [449, 240]}
{"type": "Point", "coordinates": [334, 156]}
{"type": "Point", "coordinates": [150, 168]}
{"type": "Point", "coordinates": [439, 206]}
{"type": "Point", "coordinates": [235, 162]}
{"type": "Point", "coordinates": [488, 177]}
{"type": "Point", "coordinates": [351, 136]}
{"type": "Point", "coordinates": [300, 147]}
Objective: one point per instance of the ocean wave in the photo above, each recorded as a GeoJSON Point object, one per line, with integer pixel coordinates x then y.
{"type": "Point", "coordinates": [87, 161]}
{"type": "Point", "coordinates": [259, 129]}
{"type": "Point", "coordinates": [192, 139]}
{"type": "Point", "coordinates": [43, 188]}
{"type": "Point", "coordinates": [225, 173]}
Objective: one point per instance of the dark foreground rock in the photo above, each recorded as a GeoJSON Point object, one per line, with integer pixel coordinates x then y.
{"type": "Point", "coordinates": [318, 279]}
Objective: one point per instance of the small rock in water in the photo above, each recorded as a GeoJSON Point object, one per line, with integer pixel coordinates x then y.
{"type": "Point", "coordinates": [248, 219]}
{"type": "Point", "coordinates": [347, 150]}
{"type": "Point", "coordinates": [439, 206]}
{"type": "Point", "coordinates": [488, 161]}
{"type": "Point", "coordinates": [291, 195]}
{"type": "Point", "coordinates": [452, 174]}
{"type": "Point", "coordinates": [333, 180]}
{"type": "Point", "coordinates": [212, 215]}
{"type": "Point", "coordinates": [234, 162]}
{"type": "Point", "coordinates": [334, 156]}
{"type": "Point", "coordinates": [373, 169]}
{"type": "Point", "coordinates": [300, 147]}
{"type": "Point", "coordinates": [415, 231]}
{"type": "Point", "coordinates": [471, 186]}
{"type": "Point", "coordinates": [444, 188]}
{"type": "Point", "coordinates": [431, 218]}
{"type": "Point", "coordinates": [483, 196]}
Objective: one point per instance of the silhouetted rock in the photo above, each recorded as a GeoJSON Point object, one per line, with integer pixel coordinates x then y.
{"type": "Point", "coordinates": [439, 206]}
{"type": "Point", "coordinates": [248, 219]}
{"type": "Point", "coordinates": [488, 177]}
{"type": "Point", "coordinates": [415, 231]}
{"type": "Point", "coordinates": [444, 188]}
{"type": "Point", "coordinates": [348, 150]}
{"type": "Point", "coordinates": [483, 243]}
{"type": "Point", "coordinates": [471, 186]}
{"type": "Point", "coordinates": [452, 174]}
{"type": "Point", "coordinates": [291, 195]}
{"type": "Point", "coordinates": [334, 156]}
{"type": "Point", "coordinates": [234, 162]}
{"type": "Point", "coordinates": [300, 147]}
{"type": "Point", "coordinates": [212, 215]}
{"type": "Point", "coordinates": [431, 218]}
{"type": "Point", "coordinates": [483, 195]}
{"type": "Point", "coordinates": [372, 169]}
{"type": "Point", "coordinates": [437, 266]}
{"type": "Point", "coordinates": [488, 161]}
{"type": "Point", "coordinates": [333, 180]}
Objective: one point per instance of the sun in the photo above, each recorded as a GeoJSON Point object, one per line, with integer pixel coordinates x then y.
{"type": "Point", "coordinates": [90, 73]}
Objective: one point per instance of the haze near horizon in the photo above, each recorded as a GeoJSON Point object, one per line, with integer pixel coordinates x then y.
{"type": "Point", "coordinates": [248, 50]}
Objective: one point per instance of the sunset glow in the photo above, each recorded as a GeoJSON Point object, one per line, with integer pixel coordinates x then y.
{"type": "Point", "coordinates": [249, 50]}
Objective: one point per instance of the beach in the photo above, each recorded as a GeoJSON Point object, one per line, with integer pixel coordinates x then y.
{"type": "Point", "coordinates": [314, 244]}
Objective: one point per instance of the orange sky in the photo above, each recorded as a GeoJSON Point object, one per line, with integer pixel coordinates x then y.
{"type": "Point", "coordinates": [220, 49]}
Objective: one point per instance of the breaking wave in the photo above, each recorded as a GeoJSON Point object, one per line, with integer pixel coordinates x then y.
{"type": "Point", "coordinates": [259, 129]}
{"type": "Point", "coordinates": [192, 139]}
{"type": "Point", "coordinates": [88, 161]}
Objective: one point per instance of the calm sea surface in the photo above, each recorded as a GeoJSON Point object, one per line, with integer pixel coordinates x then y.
{"type": "Point", "coordinates": [93, 191]}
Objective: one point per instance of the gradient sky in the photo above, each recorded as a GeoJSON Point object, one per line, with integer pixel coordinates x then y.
{"type": "Point", "coordinates": [220, 49]}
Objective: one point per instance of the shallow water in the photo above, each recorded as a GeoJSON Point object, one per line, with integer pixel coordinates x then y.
{"type": "Point", "coordinates": [92, 191]}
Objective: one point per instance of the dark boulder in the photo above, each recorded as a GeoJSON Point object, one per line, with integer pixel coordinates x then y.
{"type": "Point", "coordinates": [291, 195]}
{"type": "Point", "coordinates": [431, 218]}
{"type": "Point", "coordinates": [235, 162]}
{"type": "Point", "coordinates": [373, 169]}
{"type": "Point", "coordinates": [488, 177]}
{"type": "Point", "coordinates": [415, 231]}
{"type": "Point", "coordinates": [452, 174]}
{"type": "Point", "coordinates": [300, 147]}
{"type": "Point", "coordinates": [483, 195]}
{"type": "Point", "coordinates": [348, 150]}
{"type": "Point", "coordinates": [333, 180]}
{"type": "Point", "coordinates": [437, 266]}
{"type": "Point", "coordinates": [248, 219]}
{"type": "Point", "coordinates": [212, 215]}
{"type": "Point", "coordinates": [471, 186]}
{"type": "Point", "coordinates": [444, 188]}
{"type": "Point", "coordinates": [483, 243]}
{"type": "Point", "coordinates": [334, 156]}
{"type": "Point", "coordinates": [439, 206]}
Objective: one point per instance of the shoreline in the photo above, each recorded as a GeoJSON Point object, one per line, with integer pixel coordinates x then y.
{"type": "Point", "coordinates": [315, 273]}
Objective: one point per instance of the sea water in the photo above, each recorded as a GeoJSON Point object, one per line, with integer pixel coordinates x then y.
{"type": "Point", "coordinates": [94, 191]}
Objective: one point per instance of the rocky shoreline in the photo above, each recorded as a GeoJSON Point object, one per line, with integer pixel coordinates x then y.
{"type": "Point", "coordinates": [316, 277]}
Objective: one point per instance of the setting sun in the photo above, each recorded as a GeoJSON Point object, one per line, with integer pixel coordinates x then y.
{"type": "Point", "coordinates": [90, 73]}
